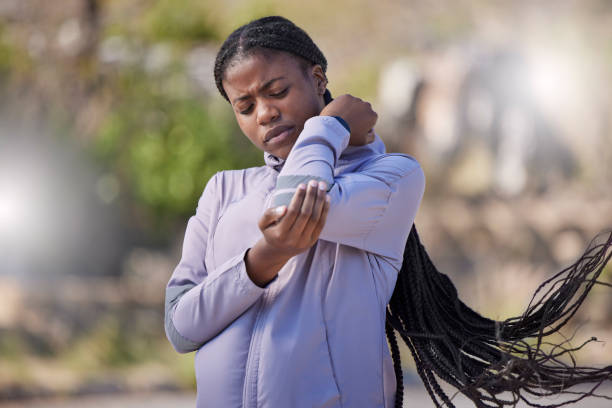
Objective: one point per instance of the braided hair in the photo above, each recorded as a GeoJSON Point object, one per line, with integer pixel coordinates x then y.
{"type": "Point", "coordinates": [493, 363]}
{"type": "Point", "coordinates": [267, 33]}
{"type": "Point", "coordinates": [484, 358]}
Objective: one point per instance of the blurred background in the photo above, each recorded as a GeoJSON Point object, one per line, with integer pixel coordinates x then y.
{"type": "Point", "coordinates": [111, 125]}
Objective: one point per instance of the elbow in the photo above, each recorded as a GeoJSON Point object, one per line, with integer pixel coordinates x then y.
{"type": "Point", "coordinates": [179, 342]}
{"type": "Point", "coordinates": [415, 179]}
{"type": "Point", "coordinates": [419, 182]}
{"type": "Point", "coordinates": [408, 197]}
{"type": "Point", "coordinates": [415, 188]}
{"type": "Point", "coordinates": [411, 184]}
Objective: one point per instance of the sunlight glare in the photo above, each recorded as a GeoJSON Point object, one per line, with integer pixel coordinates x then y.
{"type": "Point", "coordinates": [552, 80]}
{"type": "Point", "coordinates": [14, 209]}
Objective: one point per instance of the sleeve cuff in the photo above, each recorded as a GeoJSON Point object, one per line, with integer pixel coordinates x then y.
{"type": "Point", "coordinates": [244, 280]}
{"type": "Point", "coordinates": [327, 130]}
{"type": "Point", "coordinates": [343, 123]}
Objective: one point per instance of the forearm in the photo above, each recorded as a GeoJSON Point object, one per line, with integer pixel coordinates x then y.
{"type": "Point", "coordinates": [197, 312]}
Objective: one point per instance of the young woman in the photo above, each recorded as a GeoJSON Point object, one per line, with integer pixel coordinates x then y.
{"type": "Point", "coordinates": [288, 269]}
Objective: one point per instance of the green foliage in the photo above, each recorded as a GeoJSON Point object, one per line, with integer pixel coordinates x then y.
{"type": "Point", "coordinates": [115, 347]}
{"type": "Point", "coordinates": [13, 60]}
{"type": "Point", "coordinates": [243, 12]}
{"type": "Point", "coordinates": [184, 20]}
{"type": "Point", "coordinates": [166, 147]}
{"type": "Point", "coordinates": [11, 346]}
{"type": "Point", "coordinates": [363, 81]}
{"type": "Point", "coordinates": [5, 55]}
{"type": "Point", "coordinates": [116, 342]}
{"type": "Point", "coordinates": [163, 138]}
{"type": "Point", "coordinates": [107, 345]}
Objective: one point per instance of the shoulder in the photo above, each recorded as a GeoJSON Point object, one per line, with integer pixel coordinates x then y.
{"type": "Point", "coordinates": [227, 186]}
{"type": "Point", "coordinates": [401, 160]}
{"type": "Point", "coordinates": [243, 181]}
{"type": "Point", "coordinates": [392, 167]}
{"type": "Point", "coordinates": [228, 177]}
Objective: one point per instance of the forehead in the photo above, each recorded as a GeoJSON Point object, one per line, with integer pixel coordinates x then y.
{"type": "Point", "coordinates": [247, 73]}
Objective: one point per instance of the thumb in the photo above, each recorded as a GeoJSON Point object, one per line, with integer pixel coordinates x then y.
{"type": "Point", "coordinates": [272, 216]}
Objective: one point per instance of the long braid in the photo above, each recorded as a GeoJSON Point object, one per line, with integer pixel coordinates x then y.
{"type": "Point", "coordinates": [484, 358]}
{"type": "Point", "coordinates": [397, 364]}
{"type": "Point", "coordinates": [480, 357]}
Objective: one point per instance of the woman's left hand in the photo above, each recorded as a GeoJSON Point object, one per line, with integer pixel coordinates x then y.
{"type": "Point", "coordinates": [359, 115]}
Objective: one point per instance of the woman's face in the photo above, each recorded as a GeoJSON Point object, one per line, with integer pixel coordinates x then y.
{"type": "Point", "coordinates": [272, 95]}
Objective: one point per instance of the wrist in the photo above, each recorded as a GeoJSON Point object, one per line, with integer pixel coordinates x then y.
{"type": "Point", "coordinates": [343, 122]}
{"type": "Point", "coordinates": [263, 262]}
{"type": "Point", "coordinates": [271, 255]}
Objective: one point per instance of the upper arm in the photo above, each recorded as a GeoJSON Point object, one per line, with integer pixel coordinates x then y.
{"type": "Point", "coordinates": [200, 303]}
{"type": "Point", "coordinates": [373, 209]}
{"type": "Point", "coordinates": [191, 269]}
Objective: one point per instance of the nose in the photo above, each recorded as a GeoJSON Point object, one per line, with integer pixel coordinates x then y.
{"type": "Point", "coordinates": [267, 113]}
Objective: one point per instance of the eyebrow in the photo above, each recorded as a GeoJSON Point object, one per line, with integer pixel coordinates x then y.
{"type": "Point", "coordinates": [262, 88]}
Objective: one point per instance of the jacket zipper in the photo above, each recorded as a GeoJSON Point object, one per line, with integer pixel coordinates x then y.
{"type": "Point", "coordinates": [249, 395]}
{"type": "Point", "coordinates": [249, 392]}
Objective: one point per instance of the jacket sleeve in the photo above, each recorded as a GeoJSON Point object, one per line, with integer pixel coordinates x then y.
{"type": "Point", "coordinates": [371, 209]}
{"type": "Point", "coordinates": [200, 303]}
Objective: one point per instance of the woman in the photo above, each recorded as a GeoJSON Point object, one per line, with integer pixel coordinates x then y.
{"type": "Point", "coordinates": [287, 269]}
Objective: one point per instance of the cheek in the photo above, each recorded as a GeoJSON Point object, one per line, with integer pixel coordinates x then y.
{"type": "Point", "coordinates": [306, 107]}
{"type": "Point", "coordinates": [248, 130]}
{"type": "Point", "coordinates": [315, 105]}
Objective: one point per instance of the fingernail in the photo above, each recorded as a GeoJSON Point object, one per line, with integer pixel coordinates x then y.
{"type": "Point", "coordinates": [302, 186]}
{"type": "Point", "coordinates": [312, 183]}
{"type": "Point", "coordinates": [327, 198]}
{"type": "Point", "coordinates": [279, 210]}
{"type": "Point", "coordinates": [322, 185]}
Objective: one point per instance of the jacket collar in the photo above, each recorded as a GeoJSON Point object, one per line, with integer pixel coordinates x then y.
{"type": "Point", "coordinates": [274, 162]}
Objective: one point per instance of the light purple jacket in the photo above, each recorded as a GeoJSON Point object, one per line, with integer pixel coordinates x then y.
{"type": "Point", "coordinates": [315, 336]}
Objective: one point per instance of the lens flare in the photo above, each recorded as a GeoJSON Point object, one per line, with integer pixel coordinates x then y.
{"type": "Point", "coordinates": [552, 79]}
{"type": "Point", "coordinates": [14, 209]}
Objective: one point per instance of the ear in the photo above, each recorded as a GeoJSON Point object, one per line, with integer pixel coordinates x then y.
{"type": "Point", "coordinates": [319, 78]}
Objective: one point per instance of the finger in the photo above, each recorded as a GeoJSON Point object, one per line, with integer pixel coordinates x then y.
{"type": "Point", "coordinates": [321, 223]}
{"type": "Point", "coordinates": [306, 210]}
{"type": "Point", "coordinates": [271, 216]}
{"type": "Point", "coordinates": [317, 208]}
{"type": "Point", "coordinates": [321, 194]}
{"type": "Point", "coordinates": [372, 117]}
{"type": "Point", "coordinates": [293, 210]}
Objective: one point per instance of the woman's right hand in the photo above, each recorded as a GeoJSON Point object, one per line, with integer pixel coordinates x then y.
{"type": "Point", "coordinates": [288, 231]}
{"type": "Point", "coordinates": [359, 115]}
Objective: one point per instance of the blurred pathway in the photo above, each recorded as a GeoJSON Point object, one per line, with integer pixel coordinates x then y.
{"type": "Point", "coordinates": [154, 400]}
{"type": "Point", "coordinates": [415, 397]}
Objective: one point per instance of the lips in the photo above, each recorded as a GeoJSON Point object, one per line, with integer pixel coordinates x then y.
{"type": "Point", "coordinates": [272, 133]}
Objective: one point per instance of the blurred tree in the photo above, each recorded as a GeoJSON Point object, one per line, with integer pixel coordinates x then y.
{"type": "Point", "coordinates": [186, 20]}
{"type": "Point", "coordinates": [119, 83]}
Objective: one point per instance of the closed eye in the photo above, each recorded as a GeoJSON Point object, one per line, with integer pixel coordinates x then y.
{"type": "Point", "coordinates": [281, 93]}
{"type": "Point", "coordinates": [274, 95]}
{"type": "Point", "coordinates": [247, 110]}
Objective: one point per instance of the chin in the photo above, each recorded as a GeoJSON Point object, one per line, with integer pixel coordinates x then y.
{"type": "Point", "coordinates": [282, 153]}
